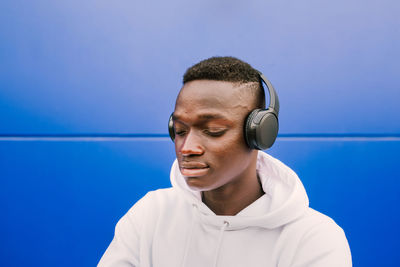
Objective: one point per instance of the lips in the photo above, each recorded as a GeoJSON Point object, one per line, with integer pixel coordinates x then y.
{"type": "Point", "coordinates": [193, 169]}
{"type": "Point", "coordinates": [193, 165]}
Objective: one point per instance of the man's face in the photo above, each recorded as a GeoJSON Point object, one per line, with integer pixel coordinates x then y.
{"type": "Point", "coordinates": [209, 141]}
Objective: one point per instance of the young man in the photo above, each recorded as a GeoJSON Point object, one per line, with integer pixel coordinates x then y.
{"type": "Point", "coordinates": [229, 205]}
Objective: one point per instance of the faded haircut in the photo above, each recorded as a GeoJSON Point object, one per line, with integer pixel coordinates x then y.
{"type": "Point", "coordinates": [229, 69]}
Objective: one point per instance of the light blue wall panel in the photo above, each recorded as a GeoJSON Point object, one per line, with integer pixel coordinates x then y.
{"type": "Point", "coordinates": [60, 200]}
{"type": "Point", "coordinates": [77, 67]}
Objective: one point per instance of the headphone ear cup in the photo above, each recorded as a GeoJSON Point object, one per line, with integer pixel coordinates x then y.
{"type": "Point", "coordinates": [267, 131]}
{"type": "Point", "coordinates": [171, 130]}
{"type": "Point", "coordinates": [249, 130]}
{"type": "Point", "coordinates": [261, 129]}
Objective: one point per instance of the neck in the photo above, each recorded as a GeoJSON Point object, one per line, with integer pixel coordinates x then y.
{"type": "Point", "coordinates": [231, 198]}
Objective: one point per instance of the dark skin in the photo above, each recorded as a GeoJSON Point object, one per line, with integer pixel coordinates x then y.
{"type": "Point", "coordinates": [212, 154]}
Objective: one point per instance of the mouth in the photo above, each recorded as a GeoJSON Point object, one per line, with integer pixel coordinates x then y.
{"type": "Point", "coordinates": [194, 169]}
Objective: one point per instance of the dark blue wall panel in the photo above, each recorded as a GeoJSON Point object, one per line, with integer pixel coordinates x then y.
{"type": "Point", "coordinates": [357, 184]}
{"type": "Point", "coordinates": [62, 199]}
{"type": "Point", "coordinates": [101, 66]}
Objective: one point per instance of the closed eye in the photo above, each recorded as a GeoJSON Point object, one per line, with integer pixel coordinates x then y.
{"type": "Point", "coordinates": [179, 130]}
{"type": "Point", "coordinates": [215, 133]}
{"type": "Point", "coordinates": [180, 133]}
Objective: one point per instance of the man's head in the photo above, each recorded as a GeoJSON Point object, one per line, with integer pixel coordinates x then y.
{"type": "Point", "coordinates": [211, 108]}
{"type": "Point", "coordinates": [229, 69]}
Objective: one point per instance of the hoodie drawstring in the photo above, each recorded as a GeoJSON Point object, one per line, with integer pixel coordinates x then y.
{"type": "Point", "coordinates": [189, 238]}
{"type": "Point", "coordinates": [221, 233]}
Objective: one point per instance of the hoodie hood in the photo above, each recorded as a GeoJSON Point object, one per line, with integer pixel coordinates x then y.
{"type": "Point", "coordinates": [173, 227]}
{"type": "Point", "coordinates": [285, 198]}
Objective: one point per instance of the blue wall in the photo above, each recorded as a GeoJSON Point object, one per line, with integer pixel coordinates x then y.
{"type": "Point", "coordinates": [86, 89]}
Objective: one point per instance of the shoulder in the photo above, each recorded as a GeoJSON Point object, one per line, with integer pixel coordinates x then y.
{"type": "Point", "coordinates": [154, 199]}
{"type": "Point", "coordinates": [316, 238]}
{"type": "Point", "coordinates": [155, 202]}
{"type": "Point", "coordinates": [324, 228]}
{"type": "Point", "coordinates": [154, 209]}
{"type": "Point", "coordinates": [313, 218]}
{"type": "Point", "coordinates": [147, 208]}
{"type": "Point", "coordinates": [314, 224]}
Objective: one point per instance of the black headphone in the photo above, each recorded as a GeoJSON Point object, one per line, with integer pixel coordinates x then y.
{"type": "Point", "coordinates": [261, 125]}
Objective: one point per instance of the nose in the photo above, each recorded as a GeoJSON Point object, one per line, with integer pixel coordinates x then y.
{"type": "Point", "coordinates": [191, 145]}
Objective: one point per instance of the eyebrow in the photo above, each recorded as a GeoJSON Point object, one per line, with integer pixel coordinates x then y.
{"type": "Point", "coordinates": [205, 116]}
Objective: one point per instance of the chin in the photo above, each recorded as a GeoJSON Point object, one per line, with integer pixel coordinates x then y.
{"type": "Point", "coordinates": [195, 184]}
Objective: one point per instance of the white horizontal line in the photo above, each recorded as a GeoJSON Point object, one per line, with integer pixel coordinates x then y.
{"type": "Point", "coordinates": [342, 139]}
{"type": "Point", "coordinates": [80, 139]}
{"type": "Point", "coordinates": [132, 138]}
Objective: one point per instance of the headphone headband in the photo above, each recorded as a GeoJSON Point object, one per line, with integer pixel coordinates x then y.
{"type": "Point", "coordinates": [273, 96]}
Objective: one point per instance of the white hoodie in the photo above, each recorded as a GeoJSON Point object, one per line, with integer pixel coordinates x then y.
{"type": "Point", "coordinates": [174, 228]}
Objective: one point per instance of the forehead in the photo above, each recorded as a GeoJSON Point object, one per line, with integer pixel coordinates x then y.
{"type": "Point", "coordinates": [206, 96]}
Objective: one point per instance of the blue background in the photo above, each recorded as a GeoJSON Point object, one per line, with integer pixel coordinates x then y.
{"type": "Point", "coordinates": [86, 89]}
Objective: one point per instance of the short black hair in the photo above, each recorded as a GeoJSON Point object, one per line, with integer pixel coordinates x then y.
{"type": "Point", "coordinates": [229, 69]}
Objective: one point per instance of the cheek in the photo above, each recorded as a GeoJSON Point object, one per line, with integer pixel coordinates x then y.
{"type": "Point", "coordinates": [178, 142]}
{"type": "Point", "coordinates": [176, 145]}
{"type": "Point", "coordinates": [233, 142]}
{"type": "Point", "coordinates": [229, 152]}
